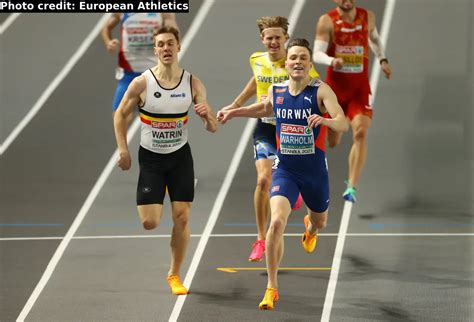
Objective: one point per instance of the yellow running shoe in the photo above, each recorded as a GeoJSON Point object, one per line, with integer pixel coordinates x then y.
{"type": "Point", "coordinates": [176, 286]}
{"type": "Point", "coordinates": [271, 295]}
{"type": "Point", "coordinates": [308, 240]}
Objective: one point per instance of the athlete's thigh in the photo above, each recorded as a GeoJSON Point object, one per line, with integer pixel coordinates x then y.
{"type": "Point", "coordinates": [360, 104]}
{"type": "Point", "coordinates": [343, 95]}
{"type": "Point", "coordinates": [180, 179]}
{"type": "Point", "coordinates": [151, 180]}
{"type": "Point", "coordinates": [150, 212]}
{"type": "Point", "coordinates": [315, 191]}
{"type": "Point", "coordinates": [281, 208]}
{"type": "Point", "coordinates": [284, 184]}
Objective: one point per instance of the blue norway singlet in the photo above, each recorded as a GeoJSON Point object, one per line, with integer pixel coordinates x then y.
{"type": "Point", "coordinates": [301, 149]}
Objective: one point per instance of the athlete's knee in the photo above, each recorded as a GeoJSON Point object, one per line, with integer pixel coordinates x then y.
{"type": "Point", "coordinates": [277, 226]}
{"type": "Point", "coordinates": [149, 223]}
{"type": "Point", "coordinates": [264, 181]}
{"type": "Point", "coordinates": [181, 217]}
{"type": "Point", "coordinates": [360, 133]}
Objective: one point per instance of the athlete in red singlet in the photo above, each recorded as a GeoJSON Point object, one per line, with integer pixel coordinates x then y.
{"type": "Point", "coordinates": [348, 32]}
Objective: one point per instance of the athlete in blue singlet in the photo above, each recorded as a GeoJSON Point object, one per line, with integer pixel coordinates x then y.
{"type": "Point", "coordinates": [298, 106]}
{"type": "Point", "coordinates": [301, 149]}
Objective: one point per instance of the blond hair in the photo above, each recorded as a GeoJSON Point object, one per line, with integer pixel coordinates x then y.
{"type": "Point", "coordinates": [272, 22]}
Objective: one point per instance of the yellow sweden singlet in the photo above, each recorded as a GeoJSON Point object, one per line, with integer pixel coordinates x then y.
{"type": "Point", "coordinates": [267, 73]}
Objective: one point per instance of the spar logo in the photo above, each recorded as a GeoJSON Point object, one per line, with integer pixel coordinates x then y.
{"type": "Point", "coordinates": [354, 50]}
{"type": "Point", "coordinates": [294, 129]}
{"type": "Point", "coordinates": [166, 125]}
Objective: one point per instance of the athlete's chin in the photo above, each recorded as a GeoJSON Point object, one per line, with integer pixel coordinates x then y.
{"type": "Point", "coordinates": [167, 61]}
{"type": "Point", "coordinates": [297, 76]}
{"type": "Point", "coordinates": [346, 7]}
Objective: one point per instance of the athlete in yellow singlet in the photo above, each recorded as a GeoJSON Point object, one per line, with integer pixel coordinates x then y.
{"type": "Point", "coordinates": [268, 68]}
{"type": "Point", "coordinates": [267, 72]}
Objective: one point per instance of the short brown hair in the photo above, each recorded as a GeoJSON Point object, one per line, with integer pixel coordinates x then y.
{"type": "Point", "coordinates": [167, 30]}
{"type": "Point", "coordinates": [272, 22]}
{"type": "Point", "coordinates": [300, 42]}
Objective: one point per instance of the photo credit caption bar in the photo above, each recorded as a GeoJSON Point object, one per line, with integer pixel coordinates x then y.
{"type": "Point", "coordinates": [95, 6]}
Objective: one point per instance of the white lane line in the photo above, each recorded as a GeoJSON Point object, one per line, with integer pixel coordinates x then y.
{"type": "Point", "coordinates": [244, 139]}
{"type": "Point", "coordinates": [53, 85]}
{"type": "Point", "coordinates": [245, 235]}
{"type": "Point", "coordinates": [89, 201]}
{"type": "Point", "coordinates": [294, 15]}
{"type": "Point", "coordinates": [214, 215]}
{"type": "Point", "coordinates": [29, 238]}
{"type": "Point", "coordinates": [346, 213]}
{"type": "Point", "coordinates": [11, 18]}
{"type": "Point", "coordinates": [336, 262]}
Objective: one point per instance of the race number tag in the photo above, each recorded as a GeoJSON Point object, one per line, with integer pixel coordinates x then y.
{"type": "Point", "coordinates": [296, 139]}
{"type": "Point", "coordinates": [166, 135]}
{"type": "Point", "coordinates": [353, 57]}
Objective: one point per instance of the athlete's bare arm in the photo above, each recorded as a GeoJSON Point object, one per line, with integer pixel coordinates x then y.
{"type": "Point", "coordinates": [324, 28]}
{"type": "Point", "coordinates": [256, 110]}
{"type": "Point", "coordinates": [248, 91]}
{"type": "Point", "coordinates": [111, 45]}
{"type": "Point", "coordinates": [327, 101]}
{"type": "Point", "coordinates": [130, 101]}
{"type": "Point", "coordinates": [376, 45]}
{"type": "Point", "coordinates": [202, 107]}
{"type": "Point", "coordinates": [169, 20]}
{"type": "Point", "coordinates": [324, 36]}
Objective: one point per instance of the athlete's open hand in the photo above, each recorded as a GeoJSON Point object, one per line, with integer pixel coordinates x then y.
{"type": "Point", "coordinates": [113, 45]}
{"type": "Point", "coordinates": [124, 162]}
{"type": "Point", "coordinates": [315, 120]}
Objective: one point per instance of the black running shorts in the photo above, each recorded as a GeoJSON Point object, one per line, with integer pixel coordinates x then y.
{"type": "Point", "coordinates": [175, 170]}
